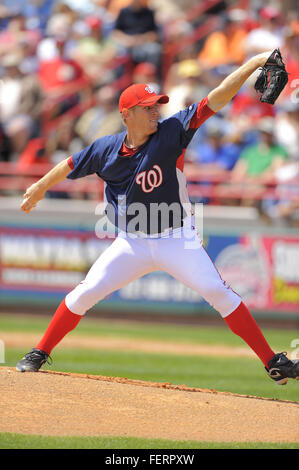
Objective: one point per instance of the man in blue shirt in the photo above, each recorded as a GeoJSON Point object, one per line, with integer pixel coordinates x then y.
{"type": "Point", "coordinates": [143, 168]}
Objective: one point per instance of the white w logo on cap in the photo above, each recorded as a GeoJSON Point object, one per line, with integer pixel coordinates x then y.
{"type": "Point", "coordinates": [149, 89]}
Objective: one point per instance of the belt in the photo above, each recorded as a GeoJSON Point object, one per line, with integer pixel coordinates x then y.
{"type": "Point", "coordinates": [168, 231]}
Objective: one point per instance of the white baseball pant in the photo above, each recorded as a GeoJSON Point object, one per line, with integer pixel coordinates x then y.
{"type": "Point", "coordinates": [127, 259]}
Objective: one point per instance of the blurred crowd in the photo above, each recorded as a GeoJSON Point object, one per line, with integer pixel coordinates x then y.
{"type": "Point", "coordinates": [63, 65]}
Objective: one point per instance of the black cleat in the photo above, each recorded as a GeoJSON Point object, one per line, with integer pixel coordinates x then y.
{"type": "Point", "coordinates": [33, 361]}
{"type": "Point", "coordinates": [280, 368]}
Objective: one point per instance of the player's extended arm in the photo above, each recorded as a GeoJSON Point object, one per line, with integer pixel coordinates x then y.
{"type": "Point", "coordinates": [37, 190]}
{"type": "Point", "coordinates": [221, 96]}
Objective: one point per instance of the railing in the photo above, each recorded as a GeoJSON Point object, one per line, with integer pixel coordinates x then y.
{"type": "Point", "coordinates": [213, 187]}
{"type": "Point", "coordinates": [14, 181]}
{"type": "Point", "coordinates": [219, 187]}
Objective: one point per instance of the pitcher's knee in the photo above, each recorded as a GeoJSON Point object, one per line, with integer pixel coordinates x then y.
{"type": "Point", "coordinates": [222, 298]}
{"type": "Point", "coordinates": [83, 297]}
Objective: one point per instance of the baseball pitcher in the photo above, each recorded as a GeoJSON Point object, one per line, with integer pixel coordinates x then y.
{"type": "Point", "coordinates": [143, 167]}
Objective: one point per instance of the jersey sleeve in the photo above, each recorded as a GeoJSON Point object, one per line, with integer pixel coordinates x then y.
{"type": "Point", "coordinates": [87, 161]}
{"type": "Point", "coordinates": [203, 112]}
{"type": "Point", "coordinates": [192, 118]}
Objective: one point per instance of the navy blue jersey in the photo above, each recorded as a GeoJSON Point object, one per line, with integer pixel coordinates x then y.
{"type": "Point", "coordinates": [151, 176]}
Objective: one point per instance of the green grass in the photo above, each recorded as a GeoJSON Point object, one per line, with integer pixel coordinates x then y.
{"type": "Point", "coordinates": [19, 441]}
{"type": "Point", "coordinates": [279, 339]}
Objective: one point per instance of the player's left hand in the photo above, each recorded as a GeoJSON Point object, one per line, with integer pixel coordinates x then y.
{"type": "Point", "coordinates": [272, 79]}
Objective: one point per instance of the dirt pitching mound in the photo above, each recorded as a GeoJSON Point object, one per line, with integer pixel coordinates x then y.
{"type": "Point", "coordinates": [61, 404]}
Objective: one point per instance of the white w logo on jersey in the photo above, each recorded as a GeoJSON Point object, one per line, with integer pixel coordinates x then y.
{"type": "Point", "coordinates": [149, 180]}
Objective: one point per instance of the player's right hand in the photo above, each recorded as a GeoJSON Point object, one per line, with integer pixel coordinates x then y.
{"type": "Point", "coordinates": [31, 197]}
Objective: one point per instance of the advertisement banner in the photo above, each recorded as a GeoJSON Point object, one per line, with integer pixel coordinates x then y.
{"type": "Point", "coordinates": [263, 270]}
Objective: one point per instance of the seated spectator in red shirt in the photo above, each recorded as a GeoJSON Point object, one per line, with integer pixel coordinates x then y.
{"type": "Point", "coordinates": [250, 105]}
{"type": "Point", "coordinates": [61, 75]}
{"type": "Point", "coordinates": [290, 52]}
{"type": "Point", "coordinates": [145, 72]}
{"type": "Point", "coordinates": [247, 110]}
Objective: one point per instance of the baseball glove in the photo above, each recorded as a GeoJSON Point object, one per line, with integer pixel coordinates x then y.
{"type": "Point", "coordinates": [272, 79]}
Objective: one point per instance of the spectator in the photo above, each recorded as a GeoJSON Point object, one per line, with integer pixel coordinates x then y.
{"type": "Point", "coordinates": [286, 128]}
{"type": "Point", "coordinates": [259, 162]}
{"type": "Point", "coordinates": [61, 75]}
{"type": "Point", "coordinates": [36, 12]}
{"type": "Point", "coordinates": [105, 9]}
{"type": "Point", "coordinates": [216, 156]}
{"type": "Point", "coordinates": [11, 87]}
{"type": "Point", "coordinates": [15, 33]}
{"type": "Point", "coordinates": [172, 62]}
{"type": "Point", "coordinates": [81, 8]}
{"type": "Point", "coordinates": [114, 7]}
{"type": "Point", "coordinates": [101, 9]}
{"type": "Point", "coordinates": [290, 53]}
{"type": "Point", "coordinates": [218, 153]}
{"type": "Point", "coordinates": [63, 142]}
{"type": "Point", "coordinates": [226, 46]}
{"type": "Point", "coordinates": [287, 176]}
{"type": "Point", "coordinates": [93, 52]}
{"type": "Point", "coordinates": [102, 119]}
{"type": "Point", "coordinates": [145, 72]}
{"type": "Point", "coordinates": [19, 94]}
{"type": "Point", "coordinates": [188, 88]}
{"type": "Point", "coordinates": [109, 10]}
{"type": "Point", "coordinates": [5, 146]}
{"type": "Point", "coordinates": [29, 63]}
{"type": "Point", "coordinates": [19, 130]}
{"type": "Point", "coordinates": [287, 190]}
{"type": "Point", "coordinates": [59, 26]}
{"type": "Point", "coordinates": [169, 11]}
{"type": "Point", "coordinates": [5, 12]}
{"type": "Point", "coordinates": [246, 110]}
{"type": "Point", "coordinates": [269, 35]}
{"type": "Point", "coordinates": [136, 33]}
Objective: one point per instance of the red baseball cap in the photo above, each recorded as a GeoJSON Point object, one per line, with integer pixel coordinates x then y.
{"type": "Point", "coordinates": [145, 68]}
{"type": "Point", "coordinates": [269, 12]}
{"type": "Point", "coordinates": [93, 22]}
{"type": "Point", "coordinates": [140, 94]}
